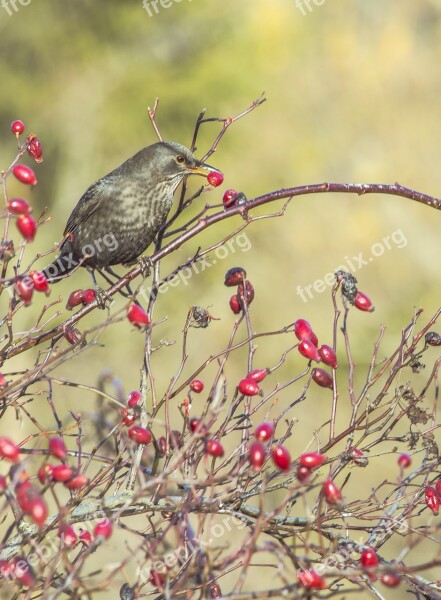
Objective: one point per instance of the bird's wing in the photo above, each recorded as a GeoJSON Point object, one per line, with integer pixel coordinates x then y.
{"type": "Point", "coordinates": [90, 201]}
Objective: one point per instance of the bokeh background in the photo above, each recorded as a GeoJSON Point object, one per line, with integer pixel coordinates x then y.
{"type": "Point", "coordinates": [353, 94]}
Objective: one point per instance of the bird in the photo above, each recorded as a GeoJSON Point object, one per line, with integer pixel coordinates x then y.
{"type": "Point", "coordinates": [119, 216]}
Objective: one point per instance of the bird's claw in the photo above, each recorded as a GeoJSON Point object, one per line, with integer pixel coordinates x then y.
{"type": "Point", "coordinates": [146, 266]}
{"type": "Point", "coordinates": [102, 298]}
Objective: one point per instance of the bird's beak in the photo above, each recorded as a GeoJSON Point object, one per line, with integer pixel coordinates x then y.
{"type": "Point", "coordinates": [201, 169]}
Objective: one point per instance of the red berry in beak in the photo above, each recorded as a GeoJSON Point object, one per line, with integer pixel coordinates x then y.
{"type": "Point", "coordinates": [215, 178]}
{"type": "Point", "coordinates": [25, 174]}
{"type": "Point", "coordinates": [27, 226]}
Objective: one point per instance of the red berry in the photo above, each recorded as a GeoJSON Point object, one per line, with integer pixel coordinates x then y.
{"type": "Point", "coordinates": [17, 127]}
{"type": "Point", "coordinates": [157, 579]}
{"type": "Point", "coordinates": [322, 378]}
{"type": "Point", "coordinates": [85, 536]}
{"type": "Point", "coordinates": [18, 206]}
{"type": "Point", "coordinates": [39, 280]}
{"type": "Point", "coordinates": [404, 460]}
{"type": "Point", "coordinates": [432, 499]}
{"type": "Point", "coordinates": [257, 455]}
{"type": "Point", "coordinates": [257, 375]}
{"type": "Point", "coordinates": [214, 448]}
{"type": "Point", "coordinates": [27, 226]}
{"type": "Point", "coordinates": [332, 493]}
{"type": "Point", "coordinates": [71, 334]}
{"type": "Point", "coordinates": [312, 460]}
{"type": "Point", "coordinates": [303, 473]}
{"type": "Point", "coordinates": [311, 580]}
{"type": "Point", "coordinates": [215, 591]}
{"type": "Point", "coordinates": [235, 304]}
{"type": "Point", "coordinates": [8, 449]}
{"type": "Point", "coordinates": [128, 418]}
{"type": "Point", "coordinates": [140, 435]}
{"type": "Point", "coordinates": [61, 473]}
{"type": "Point", "coordinates": [248, 387]}
{"type": "Point", "coordinates": [358, 457]}
{"type": "Point", "coordinates": [3, 484]}
{"type": "Point", "coordinates": [245, 293]}
{"type": "Point", "coordinates": [32, 503]}
{"type": "Point", "coordinates": [77, 482]}
{"type": "Point", "coordinates": [161, 446]}
{"type": "Point", "coordinates": [438, 487]}
{"type": "Point", "coordinates": [264, 431]}
{"type": "Point", "coordinates": [67, 535]}
{"type": "Point", "coordinates": [103, 529]}
{"type": "Point", "coordinates": [303, 331]}
{"type": "Point", "coordinates": [21, 570]}
{"type": "Point", "coordinates": [25, 174]}
{"type": "Point", "coordinates": [196, 424]}
{"type": "Point", "coordinates": [89, 296]}
{"type": "Point", "coordinates": [215, 178]}
{"type": "Point", "coordinates": [362, 302]}
{"type": "Point", "coordinates": [3, 381]}
{"type": "Point", "coordinates": [369, 558]}
{"type": "Point", "coordinates": [138, 316]}
{"type": "Point", "coordinates": [196, 386]}
{"type": "Point", "coordinates": [234, 276]}
{"type": "Point", "coordinates": [75, 299]}
{"type": "Point", "coordinates": [229, 198]}
{"type": "Point", "coordinates": [281, 457]}
{"type": "Point", "coordinates": [328, 356]}
{"type": "Point", "coordinates": [133, 399]}
{"type": "Point", "coordinates": [390, 579]}
{"type": "Point", "coordinates": [57, 447]}
{"type": "Point", "coordinates": [45, 473]}
{"type": "Point", "coordinates": [309, 350]}
{"type": "Point", "coordinates": [34, 147]}
{"type": "Point", "coordinates": [24, 289]}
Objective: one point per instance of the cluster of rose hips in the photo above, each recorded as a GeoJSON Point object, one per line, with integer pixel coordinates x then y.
{"type": "Point", "coordinates": [309, 348]}
{"type": "Point", "coordinates": [26, 223]}
{"type": "Point", "coordinates": [245, 291]}
{"type": "Point", "coordinates": [130, 414]}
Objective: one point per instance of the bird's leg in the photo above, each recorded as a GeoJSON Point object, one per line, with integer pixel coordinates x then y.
{"type": "Point", "coordinates": [102, 297]}
{"type": "Point", "coordinates": [111, 272]}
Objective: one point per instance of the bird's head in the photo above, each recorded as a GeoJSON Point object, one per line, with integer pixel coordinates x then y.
{"type": "Point", "coordinates": [171, 162]}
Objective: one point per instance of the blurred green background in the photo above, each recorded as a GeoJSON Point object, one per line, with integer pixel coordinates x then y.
{"type": "Point", "coordinates": [353, 94]}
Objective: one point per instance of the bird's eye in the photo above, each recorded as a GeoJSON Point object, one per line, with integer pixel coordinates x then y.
{"type": "Point", "coordinates": [180, 159]}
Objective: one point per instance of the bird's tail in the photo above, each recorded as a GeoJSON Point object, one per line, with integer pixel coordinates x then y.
{"type": "Point", "coordinates": [59, 268]}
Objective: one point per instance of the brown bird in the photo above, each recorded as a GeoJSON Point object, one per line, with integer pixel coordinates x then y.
{"type": "Point", "coordinates": [119, 216]}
